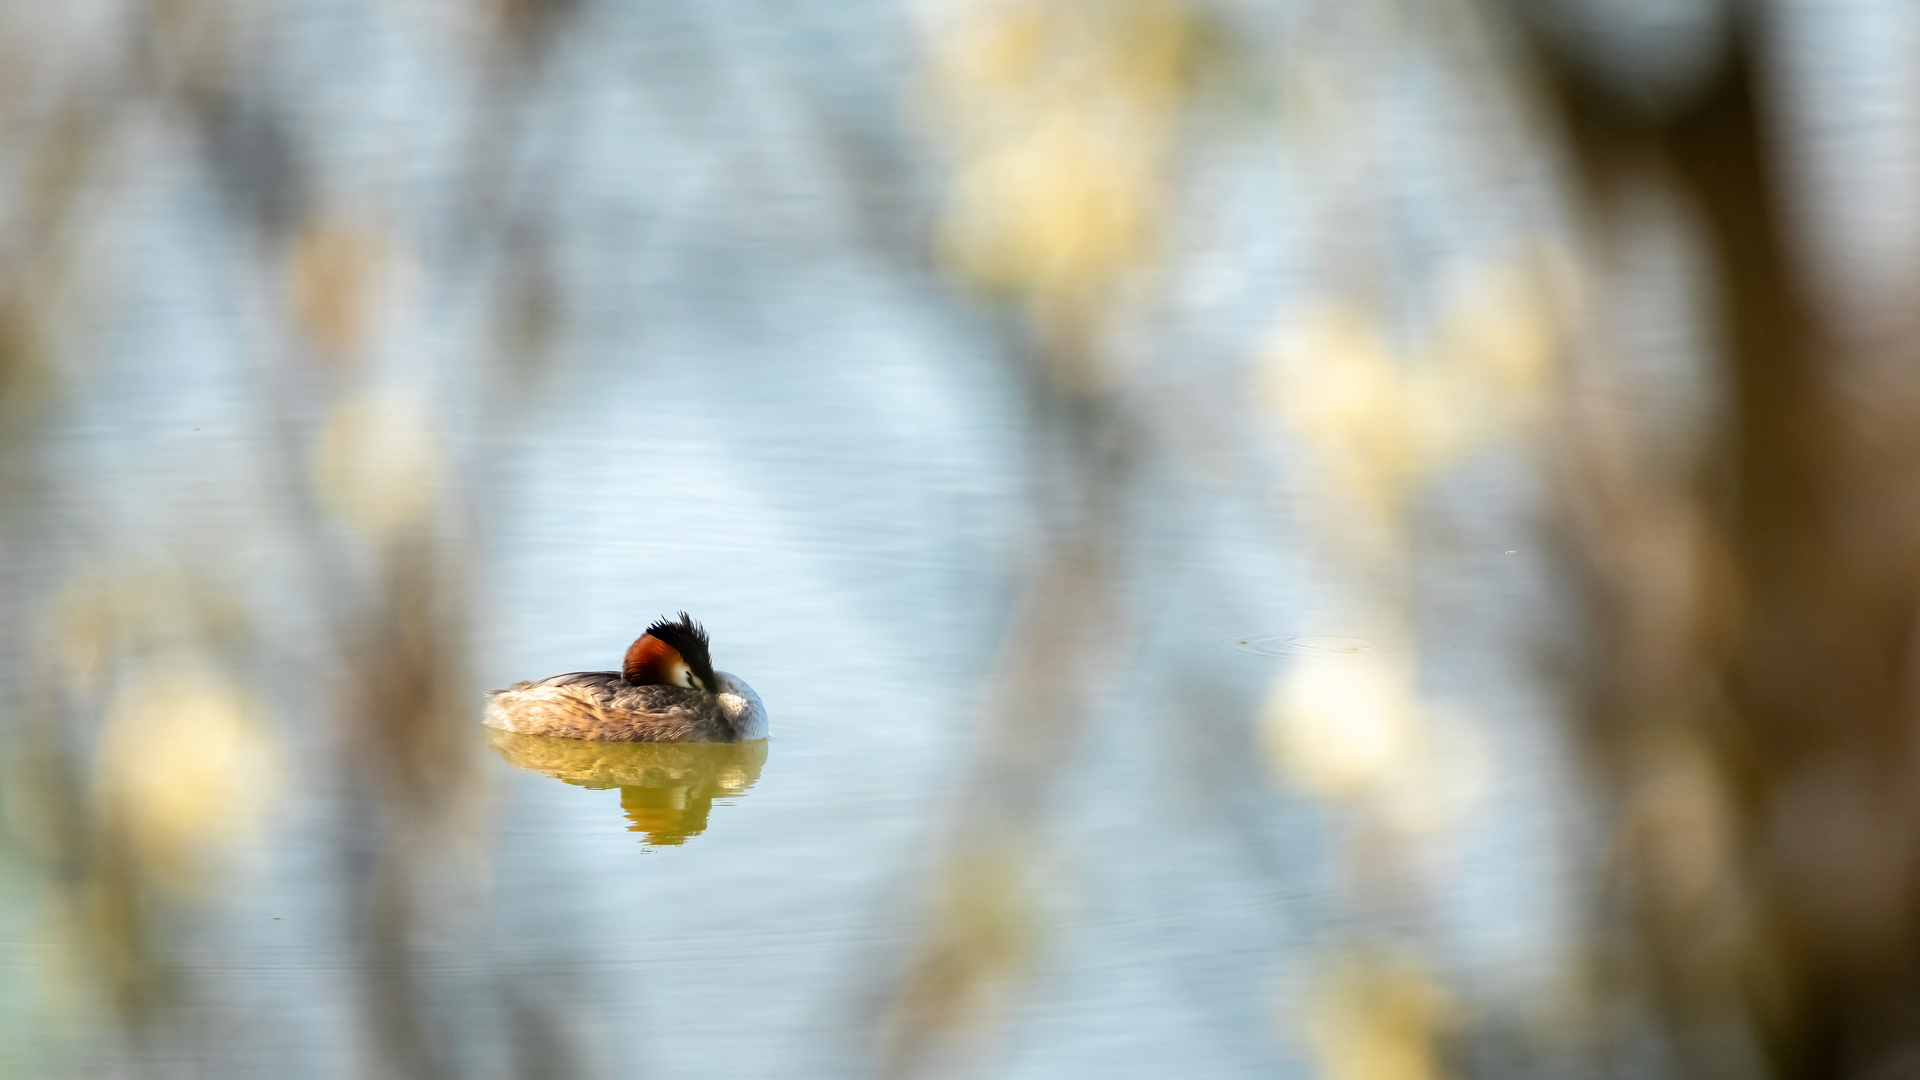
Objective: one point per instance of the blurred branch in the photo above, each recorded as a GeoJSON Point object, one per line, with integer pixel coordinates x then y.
{"type": "Point", "coordinates": [1785, 654]}
{"type": "Point", "coordinates": [1060, 120]}
{"type": "Point", "coordinates": [127, 764]}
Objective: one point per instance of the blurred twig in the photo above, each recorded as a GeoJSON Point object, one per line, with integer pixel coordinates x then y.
{"type": "Point", "coordinates": [1754, 698]}
{"type": "Point", "coordinates": [1060, 120]}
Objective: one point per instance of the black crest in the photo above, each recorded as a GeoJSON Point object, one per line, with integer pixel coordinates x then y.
{"type": "Point", "coordinates": [689, 639]}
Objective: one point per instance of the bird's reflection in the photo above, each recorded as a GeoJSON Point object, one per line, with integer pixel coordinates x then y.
{"type": "Point", "coordinates": [666, 789]}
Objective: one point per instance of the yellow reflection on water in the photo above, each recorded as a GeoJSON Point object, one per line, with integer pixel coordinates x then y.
{"type": "Point", "coordinates": [666, 789]}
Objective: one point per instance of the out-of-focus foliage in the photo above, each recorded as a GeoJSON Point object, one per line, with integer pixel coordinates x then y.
{"type": "Point", "coordinates": [1743, 567]}
{"type": "Point", "coordinates": [1751, 689]}
{"type": "Point", "coordinates": [1378, 1016]}
{"type": "Point", "coordinates": [1063, 120]}
{"type": "Point", "coordinates": [145, 749]}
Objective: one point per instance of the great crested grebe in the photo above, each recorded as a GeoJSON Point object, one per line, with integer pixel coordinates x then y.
{"type": "Point", "coordinates": [666, 691]}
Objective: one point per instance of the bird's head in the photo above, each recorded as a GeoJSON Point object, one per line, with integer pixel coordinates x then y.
{"type": "Point", "coordinates": [671, 653]}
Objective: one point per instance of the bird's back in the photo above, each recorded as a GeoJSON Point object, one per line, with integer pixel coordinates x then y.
{"type": "Point", "coordinates": [602, 705]}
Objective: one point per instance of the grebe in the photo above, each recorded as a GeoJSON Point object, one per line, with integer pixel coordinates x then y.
{"type": "Point", "coordinates": [666, 691]}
